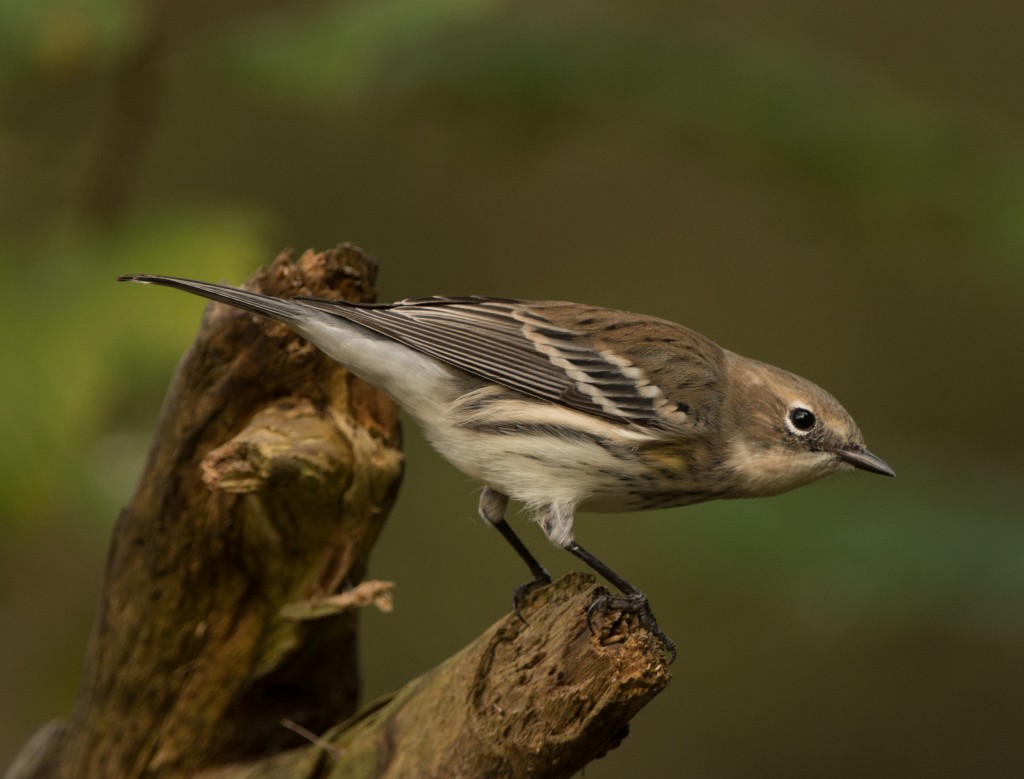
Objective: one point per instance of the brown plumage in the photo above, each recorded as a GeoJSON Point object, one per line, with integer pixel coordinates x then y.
{"type": "Point", "coordinates": [563, 406]}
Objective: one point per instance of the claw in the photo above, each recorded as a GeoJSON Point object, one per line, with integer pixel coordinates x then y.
{"type": "Point", "coordinates": [522, 592]}
{"type": "Point", "coordinates": [632, 604]}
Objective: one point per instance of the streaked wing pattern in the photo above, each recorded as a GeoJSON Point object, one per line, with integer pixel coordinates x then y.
{"type": "Point", "coordinates": [512, 343]}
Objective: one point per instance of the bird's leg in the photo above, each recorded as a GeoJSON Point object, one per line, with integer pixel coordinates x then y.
{"type": "Point", "coordinates": [492, 510]}
{"type": "Point", "coordinates": [557, 524]}
{"type": "Point", "coordinates": [633, 602]}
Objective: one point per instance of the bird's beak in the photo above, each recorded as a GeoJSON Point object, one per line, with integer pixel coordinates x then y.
{"type": "Point", "coordinates": [859, 457]}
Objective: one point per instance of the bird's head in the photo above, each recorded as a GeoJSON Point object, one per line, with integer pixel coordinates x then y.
{"type": "Point", "coordinates": [784, 432]}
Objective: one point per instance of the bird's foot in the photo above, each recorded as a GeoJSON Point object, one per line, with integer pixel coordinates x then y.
{"type": "Point", "coordinates": [521, 592]}
{"type": "Point", "coordinates": [636, 605]}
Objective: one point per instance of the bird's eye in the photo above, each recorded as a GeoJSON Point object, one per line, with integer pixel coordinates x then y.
{"type": "Point", "coordinates": [801, 419]}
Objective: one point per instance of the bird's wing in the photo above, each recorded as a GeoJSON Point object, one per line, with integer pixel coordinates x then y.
{"type": "Point", "coordinates": [589, 359]}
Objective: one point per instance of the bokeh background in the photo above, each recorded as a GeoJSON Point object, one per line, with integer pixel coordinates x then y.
{"type": "Point", "coordinates": [837, 188]}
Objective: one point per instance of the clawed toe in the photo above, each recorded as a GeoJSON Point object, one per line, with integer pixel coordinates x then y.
{"type": "Point", "coordinates": [521, 592]}
{"type": "Point", "coordinates": [637, 605]}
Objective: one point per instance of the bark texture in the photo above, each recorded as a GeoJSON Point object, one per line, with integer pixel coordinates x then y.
{"type": "Point", "coordinates": [540, 698]}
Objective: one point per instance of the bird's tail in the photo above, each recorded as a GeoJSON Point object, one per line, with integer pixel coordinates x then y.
{"type": "Point", "coordinates": [283, 310]}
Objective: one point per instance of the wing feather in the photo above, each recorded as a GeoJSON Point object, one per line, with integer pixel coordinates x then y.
{"type": "Point", "coordinates": [516, 344]}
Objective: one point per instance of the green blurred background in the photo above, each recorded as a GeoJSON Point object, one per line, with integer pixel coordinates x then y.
{"type": "Point", "coordinates": [836, 188]}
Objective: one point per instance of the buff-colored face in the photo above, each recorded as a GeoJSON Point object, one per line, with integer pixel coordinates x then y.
{"type": "Point", "coordinates": [792, 432]}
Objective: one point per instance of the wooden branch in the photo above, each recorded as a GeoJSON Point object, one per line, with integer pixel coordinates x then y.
{"type": "Point", "coordinates": [226, 635]}
{"type": "Point", "coordinates": [537, 699]}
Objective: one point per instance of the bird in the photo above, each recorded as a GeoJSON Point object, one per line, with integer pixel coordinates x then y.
{"type": "Point", "coordinates": [564, 407]}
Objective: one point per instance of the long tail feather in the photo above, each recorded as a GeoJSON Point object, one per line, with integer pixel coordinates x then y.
{"type": "Point", "coordinates": [275, 308]}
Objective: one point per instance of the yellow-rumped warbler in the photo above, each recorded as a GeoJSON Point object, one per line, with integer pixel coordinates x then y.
{"type": "Point", "coordinates": [563, 406]}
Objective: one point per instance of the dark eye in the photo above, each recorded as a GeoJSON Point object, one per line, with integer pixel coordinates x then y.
{"type": "Point", "coordinates": [802, 419]}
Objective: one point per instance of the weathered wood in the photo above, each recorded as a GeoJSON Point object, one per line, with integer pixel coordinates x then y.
{"type": "Point", "coordinates": [269, 477]}
{"type": "Point", "coordinates": [536, 699]}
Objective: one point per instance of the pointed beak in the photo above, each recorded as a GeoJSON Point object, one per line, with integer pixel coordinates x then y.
{"type": "Point", "coordinates": [859, 457]}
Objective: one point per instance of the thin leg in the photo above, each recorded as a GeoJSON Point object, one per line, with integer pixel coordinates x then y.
{"type": "Point", "coordinates": [634, 602]}
{"type": "Point", "coordinates": [492, 509]}
{"type": "Point", "coordinates": [539, 571]}
{"type": "Point", "coordinates": [625, 587]}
